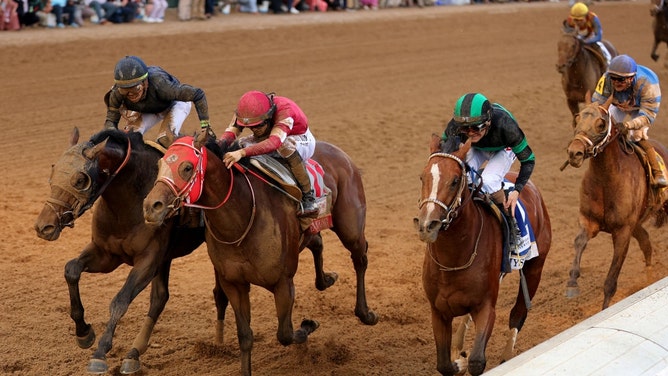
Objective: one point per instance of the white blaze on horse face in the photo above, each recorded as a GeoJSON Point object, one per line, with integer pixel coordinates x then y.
{"type": "Point", "coordinates": [433, 195]}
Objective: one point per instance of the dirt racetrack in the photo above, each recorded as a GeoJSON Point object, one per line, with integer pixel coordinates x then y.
{"type": "Point", "coordinates": [377, 84]}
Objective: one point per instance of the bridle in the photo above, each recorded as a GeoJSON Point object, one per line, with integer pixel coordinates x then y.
{"type": "Point", "coordinates": [452, 211]}
{"type": "Point", "coordinates": [578, 47]}
{"type": "Point", "coordinates": [185, 197]}
{"type": "Point", "coordinates": [72, 212]}
{"type": "Point", "coordinates": [592, 148]}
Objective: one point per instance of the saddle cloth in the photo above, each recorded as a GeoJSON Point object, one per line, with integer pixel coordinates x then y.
{"type": "Point", "coordinates": [527, 248]}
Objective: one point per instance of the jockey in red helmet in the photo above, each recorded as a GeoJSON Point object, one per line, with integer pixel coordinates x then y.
{"type": "Point", "coordinates": [279, 127]}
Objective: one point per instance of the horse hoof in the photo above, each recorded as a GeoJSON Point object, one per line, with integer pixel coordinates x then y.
{"type": "Point", "coordinates": [309, 325]}
{"type": "Point", "coordinates": [97, 366]}
{"type": "Point", "coordinates": [371, 318]}
{"type": "Point", "coordinates": [87, 340]}
{"type": "Point", "coordinates": [130, 366]}
{"type": "Point", "coordinates": [331, 278]}
{"type": "Point", "coordinates": [572, 292]}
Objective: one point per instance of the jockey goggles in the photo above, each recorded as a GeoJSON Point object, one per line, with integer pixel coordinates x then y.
{"type": "Point", "coordinates": [477, 128]}
{"type": "Point", "coordinates": [616, 78]}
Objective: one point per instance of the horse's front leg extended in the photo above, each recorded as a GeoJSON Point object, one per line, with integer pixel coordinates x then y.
{"type": "Point", "coordinates": [620, 240]}
{"type": "Point", "coordinates": [580, 243]}
{"type": "Point", "coordinates": [222, 301]}
{"type": "Point", "coordinates": [92, 262]}
{"type": "Point", "coordinates": [484, 323]}
{"type": "Point", "coordinates": [138, 278]}
{"type": "Point", "coordinates": [238, 295]}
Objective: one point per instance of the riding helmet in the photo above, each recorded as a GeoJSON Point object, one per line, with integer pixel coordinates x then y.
{"type": "Point", "coordinates": [130, 71]}
{"type": "Point", "coordinates": [579, 11]}
{"type": "Point", "coordinates": [472, 109]}
{"type": "Point", "coordinates": [254, 108]}
{"type": "Point", "coordinates": [623, 66]}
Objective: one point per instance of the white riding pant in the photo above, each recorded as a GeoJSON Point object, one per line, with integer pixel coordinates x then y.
{"type": "Point", "coordinates": [604, 50]}
{"type": "Point", "coordinates": [498, 164]}
{"type": "Point", "coordinates": [304, 144]}
{"type": "Point", "coordinates": [173, 117]}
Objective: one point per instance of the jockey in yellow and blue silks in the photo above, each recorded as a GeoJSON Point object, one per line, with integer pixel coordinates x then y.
{"type": "Point", "coordinates": [636, 99]}
{"type": "Point", "coordinates": [496, 138]}
{"type": "Point", "coordinates": [588, 28]}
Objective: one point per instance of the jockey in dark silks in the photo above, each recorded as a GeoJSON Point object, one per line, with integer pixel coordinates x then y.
{"type": "Point", "coordinates": [496, 139]}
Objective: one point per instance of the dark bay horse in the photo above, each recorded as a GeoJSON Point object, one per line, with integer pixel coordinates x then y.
{"type": "Point", "coordinates": [615, 195]}
{"type": "Point", "coordinates": [253, 234]}
{"type": "Point", "coordinates": [659, 25]}
{"type": "Point", "coordinates": [115, 170]}
{"type": "Point", "coordinates": [580, 69]}
{"type": "Point", "coordinates": [462, 264]}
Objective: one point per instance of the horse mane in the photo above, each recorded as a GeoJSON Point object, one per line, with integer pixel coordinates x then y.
{"type": "Point", "coordinates": [451, 144]}
{"type": "Point", "coordinates": [118, 137]}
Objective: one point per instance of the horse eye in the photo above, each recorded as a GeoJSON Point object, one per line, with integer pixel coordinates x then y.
{"type": "Point", "coordinates": [80, 181]}
{"type": "Point", "coordinates": [186, 170]}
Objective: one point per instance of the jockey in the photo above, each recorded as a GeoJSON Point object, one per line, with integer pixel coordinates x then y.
{"type": "Point", "coordinates": [588, 28]}
{"type": "Point", "coordinates": [148, 95]}
{"type": "Point", "coordinates": [497, 139]}
{"type": "Point", "coordinates": [279, 127]}
{"type": "Point", "coordinates": [636, 101]}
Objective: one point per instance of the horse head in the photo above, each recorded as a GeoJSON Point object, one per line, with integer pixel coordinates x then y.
{"type": "Point", "coordinates": [568, 48]}
{"type": "Point", "coordinates": [443, 183]}
{"type": "Point", "coordinates": [592, 131]}
{"type": "Point", "coordinates": [77, 179]}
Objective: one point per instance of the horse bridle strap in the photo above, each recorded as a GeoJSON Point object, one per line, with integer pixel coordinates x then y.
{"type": "Point", "coordinates": [591, 149]}
{"type": "Point", "coordinates": [473, 255]}
{"type": "Point", "coordinates": [450, 210]}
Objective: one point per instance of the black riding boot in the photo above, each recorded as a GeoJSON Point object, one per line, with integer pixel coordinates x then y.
{"type": "Point", "coordinates": [309, 208]}
{"type": "Point", "coordinates": [499, 198]}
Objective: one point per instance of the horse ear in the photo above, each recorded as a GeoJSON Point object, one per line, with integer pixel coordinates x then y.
{"type": "Point", "coordinates": [74, 137]}
{"type": "Point", "coordinates": [588, 97]}
{"type": "Point", "coordinates": [608, 102]}
{"type": "Point", "coordinates": [91, 153]}
{"type": "Point", "coordinates": [461, 153]}
{"type": "Point", "coordinates": [435, 144]}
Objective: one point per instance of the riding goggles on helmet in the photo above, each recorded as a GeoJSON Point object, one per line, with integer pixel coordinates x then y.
{"type": "Point", "coordinates": [473, 127]}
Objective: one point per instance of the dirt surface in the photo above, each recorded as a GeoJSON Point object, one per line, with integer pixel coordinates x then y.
{"type": "Point", "coordinates": [377, 84]}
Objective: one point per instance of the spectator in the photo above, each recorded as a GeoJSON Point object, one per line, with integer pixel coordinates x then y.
{"type": "Point", "coordinates": [27, 12]}
{"type": "Point", "coordinates": [9, 17]}
{"type": "Point", "coordinates": [197, 10]}
{"type": "Point", "coordinates": [64, 7]}
{"type": "Point", "coordinates": [155, 11]}
{"type": "Point", "coordinates": [125, 13]}
{"type": "Point", "coordinates": [184, 10]}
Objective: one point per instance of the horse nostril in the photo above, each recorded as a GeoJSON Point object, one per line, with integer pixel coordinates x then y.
{"type": "Point", "coordinates": [157, 206]}
{"type": "Point", "coordinates": [434, 225]}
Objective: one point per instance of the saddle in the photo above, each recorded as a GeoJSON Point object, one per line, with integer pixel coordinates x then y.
{"type": "Point", "coordinates": [599, 56]}
{"type": "Point", "coordinates": [279, 174]}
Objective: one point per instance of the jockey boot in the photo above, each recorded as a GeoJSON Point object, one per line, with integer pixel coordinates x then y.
{"type": "Point", "coordinates": [659, 180]}
{"type": "Point", "coordinates": [309, 207]}
{"type": "Point", "coordinates": [499, 198]}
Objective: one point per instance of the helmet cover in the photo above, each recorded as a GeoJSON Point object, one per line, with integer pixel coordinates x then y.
{"type": "Point", "coordinates": [472, 109]}
{"type": "Point", "coordinates": [254, 108]}
{"type": "Point", "coordinates": [623, 66]}
{"type": "Point", "coordinates": [130, 71]}
{"type": "Point", "coordinates": [579, 11]}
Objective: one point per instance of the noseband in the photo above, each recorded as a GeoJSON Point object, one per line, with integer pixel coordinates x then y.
{"type": "Point", "coordinates": [593, 148]}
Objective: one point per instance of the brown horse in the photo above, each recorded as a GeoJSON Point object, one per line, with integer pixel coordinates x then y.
{"type": "Point", "coordinates": [462, 263]}
{"type": "Point", "coordinates": [615, 195]}
{"type": "Point", "coordinates": [580, 69]}
{"type": "Point", "coordinates": [253, 234]}
{"type": "Point", "coordinates": [659, 25]}
{"type": "Point", "coordinates": [116, 170]}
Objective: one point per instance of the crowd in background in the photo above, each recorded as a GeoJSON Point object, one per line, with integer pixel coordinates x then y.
{"type": "Point", "coordinates": [20, 14]}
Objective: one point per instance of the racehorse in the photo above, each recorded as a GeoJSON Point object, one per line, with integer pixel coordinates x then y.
{"type": "Point", "coordinates": [116, 170]}
{"type": "Point", "coordinates": [463, 260]}
{"type": "Point", "coordinates": [580, 69]}
{"type": "Point", "coordinates": [659, 25]}
{"type": "Point", "coordinates": [615, 195]}
{"type": "Point", "coordinates": [253, 234]}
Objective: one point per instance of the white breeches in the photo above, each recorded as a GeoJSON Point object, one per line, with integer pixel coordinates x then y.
{"type": "Point", "coordinates": [498, 164]}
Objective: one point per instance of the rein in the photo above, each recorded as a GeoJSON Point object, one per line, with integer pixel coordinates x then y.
{"type": "Point", "coordinates": [67, 218]}
{"type": "Point", "coordinates": [473, 255]}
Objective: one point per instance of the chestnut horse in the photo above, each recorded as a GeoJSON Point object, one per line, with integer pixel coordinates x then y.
{"type": "Point", "coordinates": [659, 25]}
{"type": "Point", "coordinates": [463, 260]}
{"type": "Point", "coordinates": [116, 170]}
{"type": "Point", "coordinates": [615, 195]}
{"type": "Point", "coordinates": [253, 233]}
{"type": "Point", "coordinates": [580, 69]}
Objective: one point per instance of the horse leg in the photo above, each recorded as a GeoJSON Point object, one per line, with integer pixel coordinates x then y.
{"type": "Point", "coordinates": [159, 298]}
{"type": "Point", "coordinates": [580, 243]}
{"type": "Point", "coordinates": [442, 327]}
{"type": "Point", "coordinates": [284, 299]}
{"type": "Point", "coordinates": [92, 261]}
{"type": "Point", "coordinates": [641, 235]}
{"type": "Point", "coordinates": [137, 280]}
{"type": "Point", "coordinates": [222, 301]}
{"type": "Point", "coordinates": [484, 323]}
{"type": "Point", "coordinates": [654, 56]}
{"type": "Point", "coordinates": [458, 343]}
{"type": "Point", "coordinates": [323, 279]}
{"type": "Point", "coordinates": [620, 240]}
{"type": "Point", "coordinates": [238, 295]}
